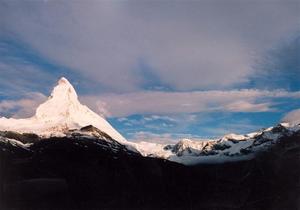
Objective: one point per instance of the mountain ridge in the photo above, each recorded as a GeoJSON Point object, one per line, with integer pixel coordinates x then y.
{"type": "Point", "coordinates": [85, 171]}
{"type": "Point", "coordinates": [84, 167]}
{"type": "Point", "coordinates": [62, 115]}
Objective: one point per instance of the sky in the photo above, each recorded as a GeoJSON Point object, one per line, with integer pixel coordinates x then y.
{"type": "Point", "coordinates": [157, 70]}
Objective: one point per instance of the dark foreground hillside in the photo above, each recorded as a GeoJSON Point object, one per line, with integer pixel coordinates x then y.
{"type": "Point", "coordinates": [80, 173]}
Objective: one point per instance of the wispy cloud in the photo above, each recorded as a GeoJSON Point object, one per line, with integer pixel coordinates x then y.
{"type": "Point", "coordinates": [23, 71]}
{"type": "Point", "coordinates": [279, 67]}
{"type": "Point", "coordinates": [187, 45]}
{"type": "Point", "coordinates": [21, 108]}
{"type": "Point", "coordinates": [240, 126]}
{"type": "Point", "coordinates": [292, 117]}
{"type": "Point", "coordinates": [164, 138]}
{"type": "Point", "coordinates": [159, 117]}
{"type": "Point", "coordinates": [140, 136]}
{"type": "Point", "coordinates": [19, 78]}
{"type": "Point", "coordinates": [197, 55]}
{"type": "Point", "coordinates": [153, 102]}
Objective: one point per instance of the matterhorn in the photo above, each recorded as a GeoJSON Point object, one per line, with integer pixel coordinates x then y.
{"type": "Point", "coordinates": [59, 114]}
{"type": "Point", "coordinates": [63, 115]}
{"type": "Point", "coordinates": [67, 157]}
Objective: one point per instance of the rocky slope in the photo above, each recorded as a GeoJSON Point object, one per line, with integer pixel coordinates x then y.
{"type": "Point", "coordinates": [67, 157]}
{"type": "Point", "coordinates": [63, 115]}
{"type": "Point", "coordinates": [86, 169]}
{"type": "Point", "coordinates": [229, 148]}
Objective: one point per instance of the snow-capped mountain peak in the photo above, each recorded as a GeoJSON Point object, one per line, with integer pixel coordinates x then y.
{"type": "Point", "coordinates": [61, 112]}
{"type": "Point", "coordinates": [62, 102]}
{"type": "Point", "coordinates": [64, 89]}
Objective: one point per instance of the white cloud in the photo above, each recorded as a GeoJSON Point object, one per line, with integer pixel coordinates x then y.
{"type": "Point", "coordinates": [188, 45]}
{"type": "Point", "coordinates": [216, 131]}
{"type": "Point", "coordinates": [163, 138]}
{"type": "Point", "coordinates": [167, 103]}
{"type": "Point", "coordinates": [175, 123]}
{"type": "Point", "coordinates": [245, 106]}
{"type": "Point", "coordinates": [22, 108]}
{"type": "Point", "coordinates": [239, 126]}
{"type": "Point", "coordinates": [292, 117]}
{"type": "Point", "coordinates": [18, 78]}
{"type": "Point", "coordinates": [160, 117]}
{"type": "Point", "coordinates": [140, 136]}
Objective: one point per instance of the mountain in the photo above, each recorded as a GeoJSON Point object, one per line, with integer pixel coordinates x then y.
{"type": "Point", "coordinates": [60, 113]}
{"type": "Point", "coordinates": [87, 169]}
{"type": "Point", "coordinates": [229, 148]}
{"type": "Point", "coordinates": [67, 157]}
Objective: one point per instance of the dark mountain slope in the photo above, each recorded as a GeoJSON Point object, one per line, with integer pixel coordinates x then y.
{"type": "Point", "coordinates": [84, 172]}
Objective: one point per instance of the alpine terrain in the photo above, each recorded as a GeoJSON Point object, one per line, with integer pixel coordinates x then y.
{"type": "Point", "coordinates": [68, 157]}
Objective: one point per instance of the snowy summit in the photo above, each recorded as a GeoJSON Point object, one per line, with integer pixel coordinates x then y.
{"type": "Point", "coordinates": [63, 114]}
{"type": "Point", "coordinates": [60, 113]}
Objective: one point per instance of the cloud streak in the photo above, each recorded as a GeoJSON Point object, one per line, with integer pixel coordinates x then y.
{"type": "Point", "coordinates": [292, 117]}
{"type": "Point", "coordinates": [197, 55]}
{"type": "Point", "coordinates": [164, 138]}
{"type": "Point", "coordinates": [22, 108]}
{"type": "Point", "coordinates": [154, 102]}
{"type": "Point", "coordinates": [187, 46]}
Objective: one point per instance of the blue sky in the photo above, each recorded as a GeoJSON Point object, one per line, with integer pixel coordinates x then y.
{"type": "Point", "coordinates": [158, 70]}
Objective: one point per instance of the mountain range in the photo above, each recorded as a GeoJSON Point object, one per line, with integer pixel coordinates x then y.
{"type": "Point", "coordinates": [68, 157]}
